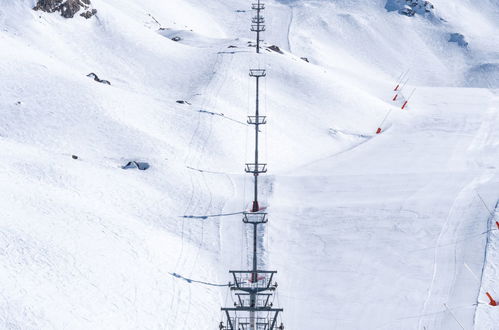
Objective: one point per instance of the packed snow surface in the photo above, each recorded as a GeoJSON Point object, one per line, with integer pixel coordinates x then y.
{"type": "Point", "coordinates": [367, 231]}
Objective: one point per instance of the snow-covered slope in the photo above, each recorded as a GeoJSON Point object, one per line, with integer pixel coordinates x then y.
{"type": "Point", "coordinates": [367, 231]}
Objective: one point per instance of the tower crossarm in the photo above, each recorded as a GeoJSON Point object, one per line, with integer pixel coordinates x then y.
{"type": "Point", "coordinates": [253, 281]}
{"type": "Point", "coordinates": [258, 6]}
{"type": "Point", "coordinates": [258, 20]}
{"type": "Point", "coordinates": [262, 299]}
{"type": "Point", "coordinates": [254, 120]}
{"type": "Point", "coordinates": [257, 73]}
{"type": "Point", "coordinates": [256, 168]}
{"type": "Point", "coordinates": [258, 28]}
{"type": "Point", "coordinates": [252, 309]}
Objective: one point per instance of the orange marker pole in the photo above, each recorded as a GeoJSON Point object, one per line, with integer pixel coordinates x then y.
{"type": "Point", "coordinates": [407, 101]}
{"type": "Point", "coordinates": [400, 79]}
{"type": "Point", "coordinates": [492, 301]}
{"type": "Point", "coordinates": [383, 121]}
{"type": "Point", "coordinates": [403, 85]}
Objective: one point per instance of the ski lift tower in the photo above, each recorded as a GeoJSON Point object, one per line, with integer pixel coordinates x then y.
{"type": "Point", "coordinates": [258, 22]}
{"type": "Point", "coordinates": [256, 168]}
{"type": "Point", "coordinates": [254, 289]}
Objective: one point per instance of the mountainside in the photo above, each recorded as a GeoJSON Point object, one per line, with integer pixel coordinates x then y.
{"type": "Point", "coordinates": [367, 231]}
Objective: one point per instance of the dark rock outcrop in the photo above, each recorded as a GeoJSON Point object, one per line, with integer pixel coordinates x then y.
{"type": "Point", "coordinates": [138, 165]}
{"type": "Point", "coordinates": [459, 39]}
{"type": "Point", "coordinates": [410, 7]}
{"type": "Point", "coordinates": [96, 78]}
{"type": "Point", "coordinates": [275, 49]}
{"type": "Point", "coordinates": [67, 8]}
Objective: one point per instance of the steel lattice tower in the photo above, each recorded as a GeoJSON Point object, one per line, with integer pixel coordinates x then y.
{"type": "Point", "coordinates": [253, 289]}
{"type": "Point", "coordinates": [258, 22]}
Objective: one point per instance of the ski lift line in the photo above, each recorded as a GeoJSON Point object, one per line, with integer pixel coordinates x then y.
{"type": "Point", "coordinates": [190, 281]}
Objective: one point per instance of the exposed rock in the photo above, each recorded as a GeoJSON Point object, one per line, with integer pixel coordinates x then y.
{"type": "Point", "coordinates": [459, 39]}
{"type": "Point", "coordinates": [89, 13]}
{"type": "Point", "coordinates": [74, 156]}
{"type": "Point", "coordinates": [411, 7]}
{"type": "Point", "coordinates": [67, 8]}
{"type": "Point", "coordinates": [96, 78]}
{"type": "Point", "coordinates": [305, 59]}
{"type": "Point", "coordinates": [182, 102]}
{"type": "Point", "coordinates": [176, 38]}
{"type": "Point", "coordinates": [138, 165]}
{"type": "Point", "coordinates": [276, 49]}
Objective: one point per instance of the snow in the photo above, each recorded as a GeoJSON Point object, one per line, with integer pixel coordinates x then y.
{"type": "Point", "coordinates": [367, 231]}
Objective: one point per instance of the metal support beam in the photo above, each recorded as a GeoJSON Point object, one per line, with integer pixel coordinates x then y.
{"type": "Point", "coordinates": [254, 287]}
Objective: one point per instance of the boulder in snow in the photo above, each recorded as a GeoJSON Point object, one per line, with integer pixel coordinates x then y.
{"type": "Point", "coordinates": [96, 78]}
{"type": "Point", "coordinates": [459, 39]}
{"type": "Point", "coordinates": [275, 49]}
{"type": "Point", "coordinates": [138, 165]}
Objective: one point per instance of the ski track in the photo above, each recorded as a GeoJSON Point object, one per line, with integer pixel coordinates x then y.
{"type": "Point", "coordinates": [202, 140]}
{"type": "Point", "coordinates": [375, 238]}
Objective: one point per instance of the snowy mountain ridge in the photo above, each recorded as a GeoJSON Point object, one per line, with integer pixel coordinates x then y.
{"type": "Point", "coordinates": [368, 231]}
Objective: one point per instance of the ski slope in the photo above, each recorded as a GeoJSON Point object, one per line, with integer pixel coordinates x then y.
{"type": "Point", "coordinates": [366, 231]}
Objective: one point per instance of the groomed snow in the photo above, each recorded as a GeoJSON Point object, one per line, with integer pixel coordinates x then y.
{"type": "Point", "coordinates": [366, 231]}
